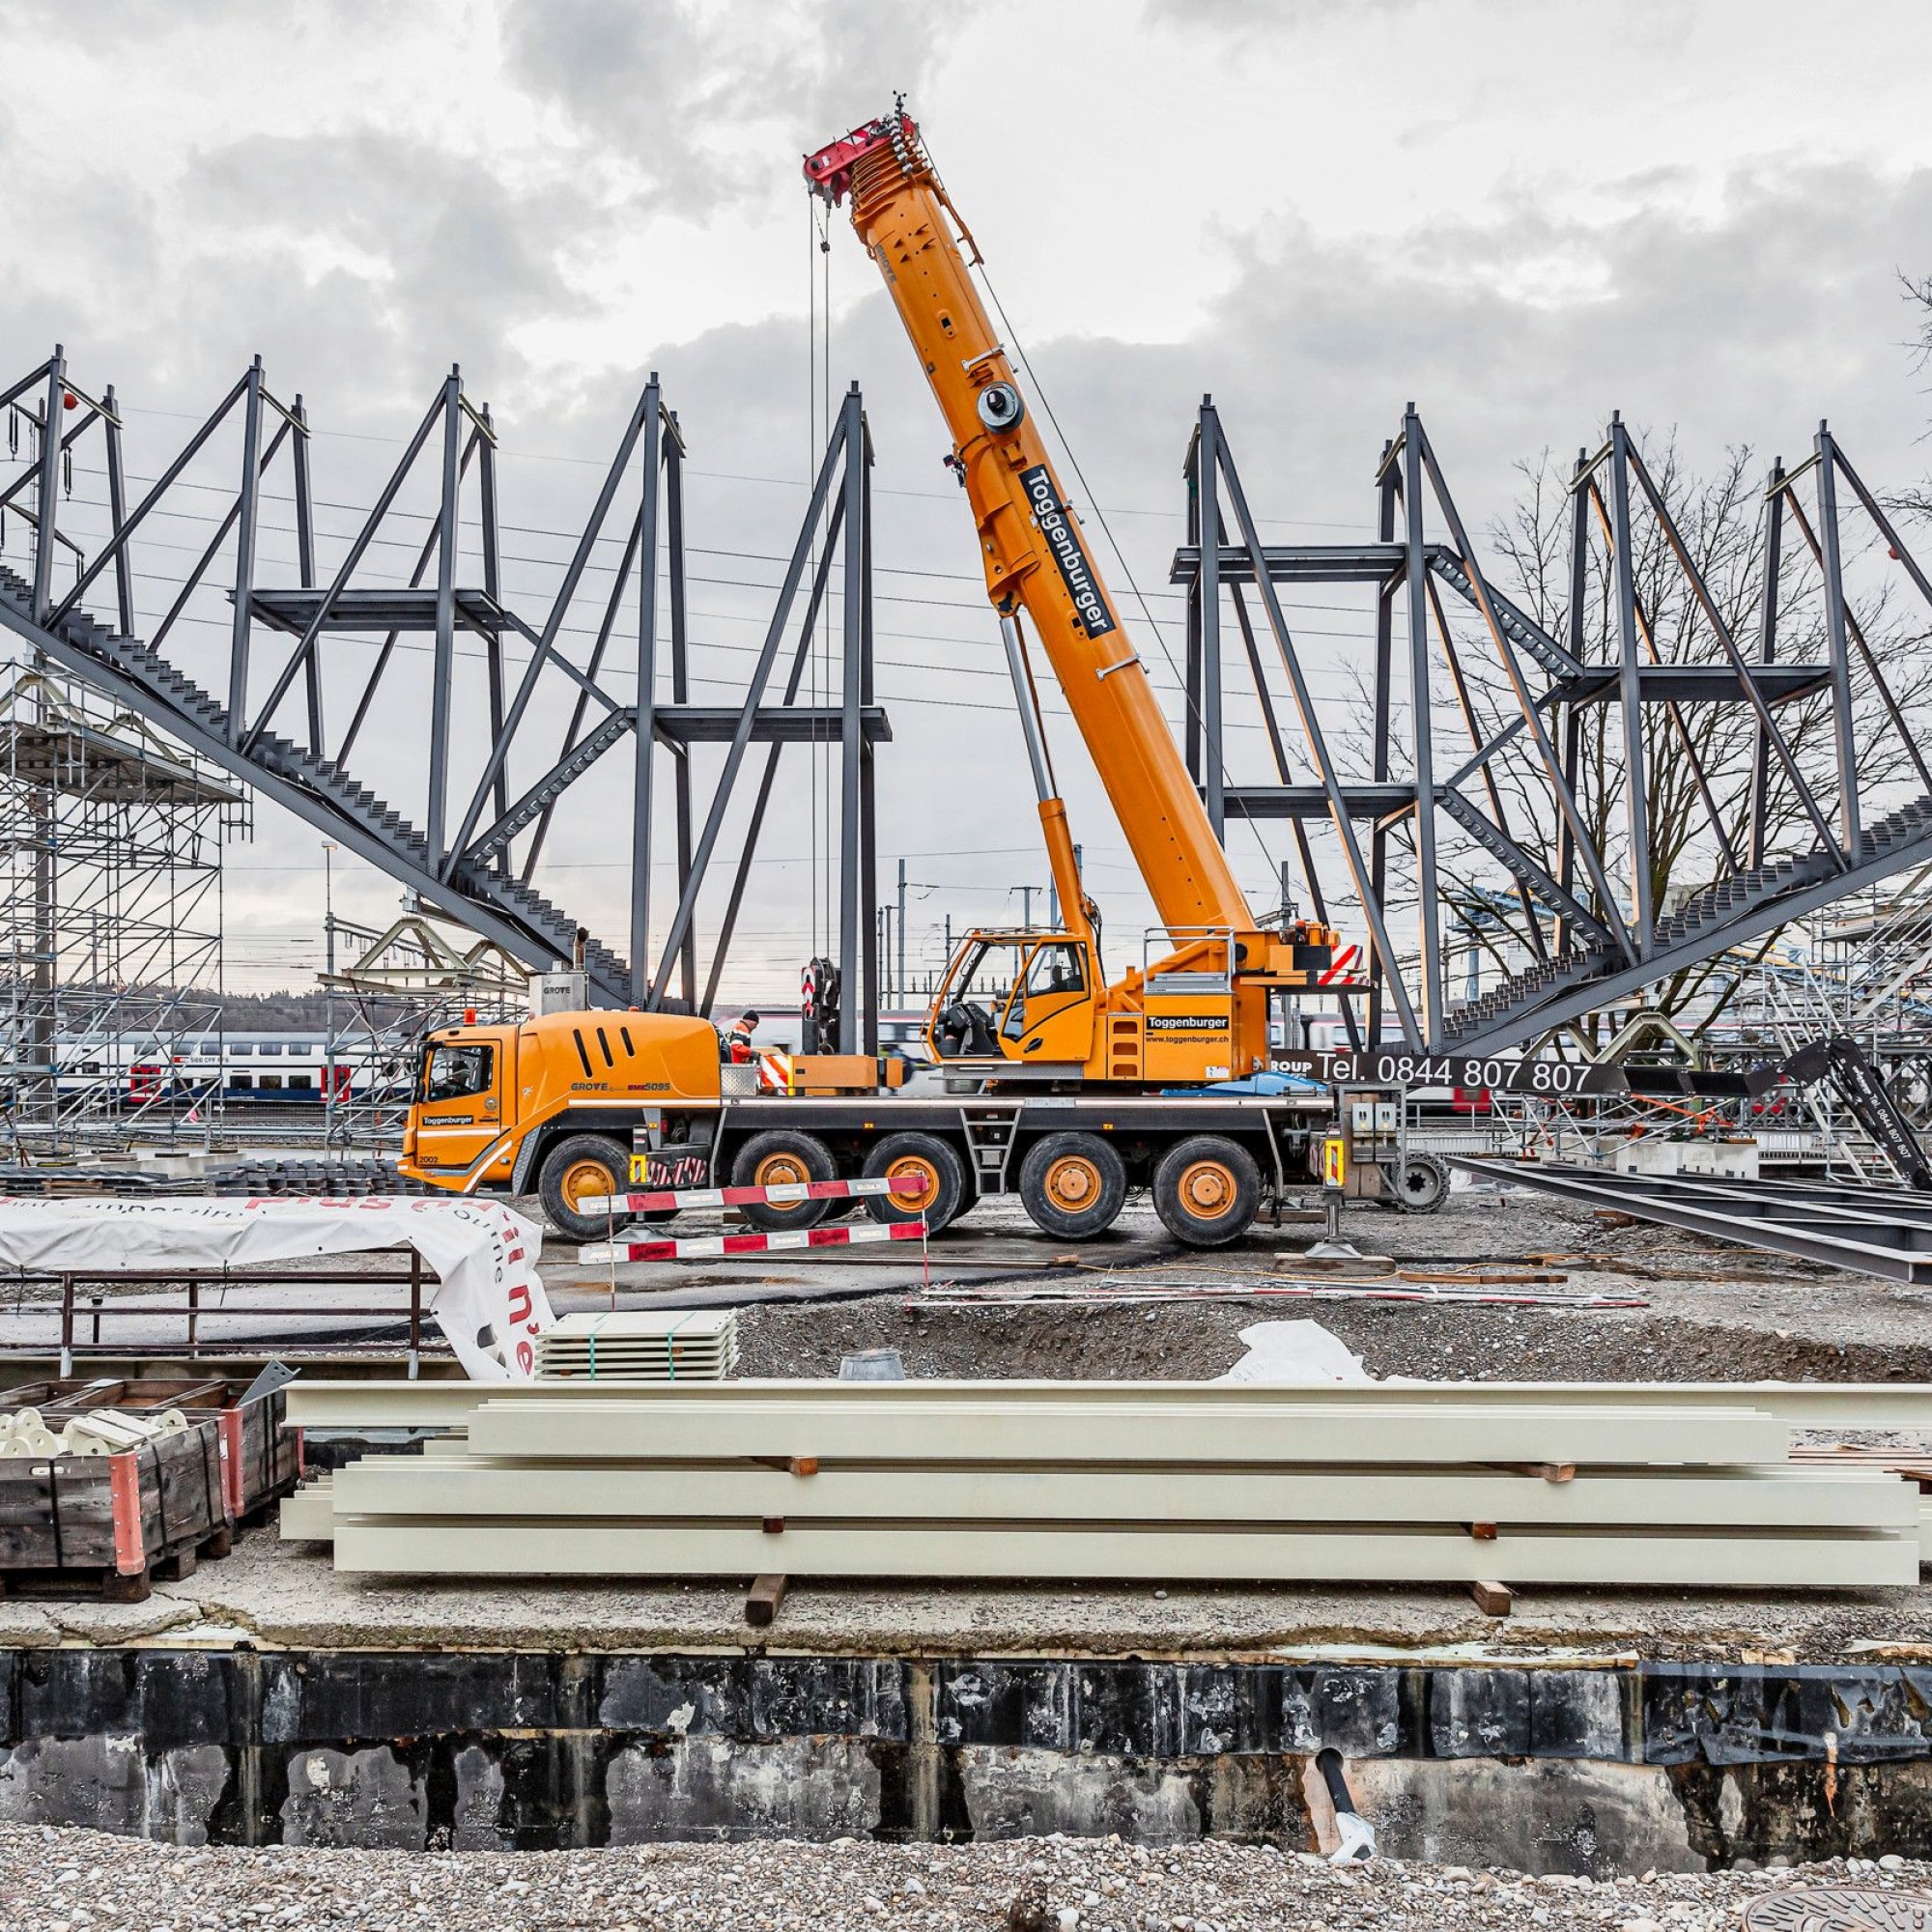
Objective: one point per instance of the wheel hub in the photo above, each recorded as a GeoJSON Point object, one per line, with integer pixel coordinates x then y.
{"type": "Point", "coordinates": [1072, 1183]}
{"type": "Point", "coordinates": [1206, 1190]}
{"type": "Point", "coordinates": [781, 1170]}
{"type": "Point", "coordinates": [583, 1181]}
{"type": "Point", "coordinates": [912, 1168]}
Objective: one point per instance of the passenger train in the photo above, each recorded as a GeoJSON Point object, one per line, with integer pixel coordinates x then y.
{"type": "Point", "coordinates": [245, 1068]}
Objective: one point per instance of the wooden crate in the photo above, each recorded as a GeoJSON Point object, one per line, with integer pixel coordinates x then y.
{"type": "Point", "coordinates": [113, 1523]}
{"type": "Point", "coordinates": [260, 1456]}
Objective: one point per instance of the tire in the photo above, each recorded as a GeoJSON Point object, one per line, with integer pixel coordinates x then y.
{"type": "Point", "coordinates": [1423, 1185]}
{"type": "Point", "coordinates": [1073, 1186]}
{"type": "Point", "coordinates": [576, 1167]}
{"type": "Point", "coordinates": [1207, 1191]}
{"type": "Point", "coordinates": [933, 1162]}
{"type": "Point", "coordinates": [767, 1159]}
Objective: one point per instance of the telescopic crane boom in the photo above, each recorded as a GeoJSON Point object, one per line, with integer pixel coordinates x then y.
{"type": "Point", "coordinates": [1031, 546]}
{"type": "Point", "coordinates": [1200, 1013]}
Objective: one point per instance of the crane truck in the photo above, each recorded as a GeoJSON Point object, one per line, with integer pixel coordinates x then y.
{"type": "Point", "coordinates": [1062, 1086]}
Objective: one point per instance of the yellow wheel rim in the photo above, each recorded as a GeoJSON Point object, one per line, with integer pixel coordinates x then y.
{"type": "Point", "coordinates": [915, 1167]}
{"type": "Point", "coordinates": [1074, 1182]}
{"type": "Point", "coordinates": [1208, 1189]}
{"type": "Point", "coordinates": [584, 1180]}
{"type": "Point", "coordinates": [781, 1170]}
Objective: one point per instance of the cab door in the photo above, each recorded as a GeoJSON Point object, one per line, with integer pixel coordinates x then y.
{"type": "Point", "coordinates": [1049, 1014]}
{"type": "Point", "coordinates": [460, 1099]}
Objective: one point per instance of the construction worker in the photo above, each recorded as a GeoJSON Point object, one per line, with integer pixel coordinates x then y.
{"type": "Point", "coordinates": [738, 1047]}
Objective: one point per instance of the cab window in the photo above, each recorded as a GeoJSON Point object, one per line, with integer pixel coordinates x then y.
{"type": "Point", "coordinates": [1055, 969]}
{"type": "Point", "coordinates": [454, 1072]}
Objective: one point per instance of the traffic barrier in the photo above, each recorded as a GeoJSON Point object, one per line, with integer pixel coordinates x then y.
{"type": "Point", "coordinates": [664, 1201]}
{"type": "Point", "coordinates": [711, 1247]}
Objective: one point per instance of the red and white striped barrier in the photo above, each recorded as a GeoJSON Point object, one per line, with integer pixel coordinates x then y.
{"type": "Point", "coordinates": [711, 1247]}
{"type": "Point", "coordinates": [779, 1194]}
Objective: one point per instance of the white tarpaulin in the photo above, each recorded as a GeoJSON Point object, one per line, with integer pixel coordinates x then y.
{"type": "Point", "coordinates": [488, 1297]}
{"type": "Point", "coordinates": [1296, 1354]}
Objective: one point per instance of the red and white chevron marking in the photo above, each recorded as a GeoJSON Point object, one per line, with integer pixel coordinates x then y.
{"type": "Point", "coordinates": [1343, 968]}
{"type": "Point", "coordinates": [701, 1247]}
{"type": "Point", "coordinates": [779, 1194]}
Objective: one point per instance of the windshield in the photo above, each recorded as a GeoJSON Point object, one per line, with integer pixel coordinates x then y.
{"type": "Point", "coordinates": [987, 976]}
{"type": "Point", "coordinates": [455, 1073]}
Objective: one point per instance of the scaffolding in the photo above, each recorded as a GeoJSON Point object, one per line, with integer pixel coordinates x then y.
{"type": "Point", "coordinates": [110, 921]}
{"type": "Point", "coordinates": [422, 972]}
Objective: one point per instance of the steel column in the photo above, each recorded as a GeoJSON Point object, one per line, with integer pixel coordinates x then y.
{"type": "Point", "coordinates": [443, 665]}
{"type": "Point", "coordinates": [1637, 779]}
{"type": "Point", "coordinates": [1214, 767]}
{"type": "Point", "coordinates": [49, 484]}
{"type": "Point", "coordinates": [852, 933]}
{"type": "Point", "coordinates": [648, 693]}
{"type": "Point", "coordinates": [1421, 721]}
{"type": "Point", "coordinates": [1842, 725]}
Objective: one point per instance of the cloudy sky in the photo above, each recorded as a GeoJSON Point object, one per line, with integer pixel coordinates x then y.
{"type": "Point", "coordinates": [1520, 212]}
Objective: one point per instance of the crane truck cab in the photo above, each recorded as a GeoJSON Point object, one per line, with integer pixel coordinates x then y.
{"type": "Point", "coordinates": [547, 1105]}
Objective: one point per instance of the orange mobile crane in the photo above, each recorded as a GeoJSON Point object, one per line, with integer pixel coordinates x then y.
{"type": "Point", "coordinates": [1060, 1087]}
{"type": "Point", "coordinates": [1197, 1007]}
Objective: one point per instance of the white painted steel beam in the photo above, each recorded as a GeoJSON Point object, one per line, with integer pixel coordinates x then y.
{"type": "Point", "coordinates": [1268, 1426]}
{"type": "Point", "coordinates": [1773, 1496]}
{"type": "Point", "coordinates": [429, 1404]}
{"type": "Point", "coordinates": [1654, 1558]}
{"type": "Point", "coordinates": [308, 1516]}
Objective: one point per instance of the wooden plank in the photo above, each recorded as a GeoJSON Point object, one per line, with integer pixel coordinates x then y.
{"type": "Point", "coordinates": [1493, 1600]}
{"type": "Point", "coordinates": [442, 1485]}
{"type": "Point", "coordinates": [763, 1599]}
{"type": "Point", "coordinates": [1789, 1559]}
{"type": "Point", "coordinates": [1040, 1431]}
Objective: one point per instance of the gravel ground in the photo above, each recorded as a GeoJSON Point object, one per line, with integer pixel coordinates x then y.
{"type": "Point", "coordinates": [64, 1881]}
{"type": "Point", "coordinates": [1716, 1312]}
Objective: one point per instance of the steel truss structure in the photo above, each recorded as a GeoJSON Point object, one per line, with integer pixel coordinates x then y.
{"type": "Point", "coordinates": [110, 918]}
{"type": "Point", "coordinates": [1512, 780]}
{"type": "Point", "coordinates": [513, 719]}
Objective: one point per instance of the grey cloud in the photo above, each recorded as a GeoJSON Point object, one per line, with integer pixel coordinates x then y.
{"type": "Point", "coordinates": [669, 83]}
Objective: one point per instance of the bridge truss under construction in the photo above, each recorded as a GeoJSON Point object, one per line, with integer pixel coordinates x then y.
{"type": "Point", "coordinates": [1511, 787]}
{"type": "Point", "coordinates": [1508, 771]}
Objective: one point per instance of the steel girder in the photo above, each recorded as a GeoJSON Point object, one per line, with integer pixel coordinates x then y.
{"type": "Point", "coordinates": [1879, 1231]}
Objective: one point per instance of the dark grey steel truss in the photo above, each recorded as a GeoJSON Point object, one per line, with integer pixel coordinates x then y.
{"type": "Point", "coordinates": [1881, 1230]}
{"type": "Point", "coordinates": [482, 831]}
{"type": "Point", "coordinates": [1593, 940]}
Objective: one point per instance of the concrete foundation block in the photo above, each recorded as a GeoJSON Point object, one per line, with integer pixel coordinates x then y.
{"type": "Point", "coordinates": [100, 1782]}
{"type": "Point", "coordinates": [1544, 1815]}
{"type": "Point", "coordinates": [705, 1787]}
{"type": "Point", "coordinates": [368, 1799]}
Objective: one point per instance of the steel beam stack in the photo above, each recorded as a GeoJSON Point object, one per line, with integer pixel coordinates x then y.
{"type": "Point", "coordinates": [1456, 1482]}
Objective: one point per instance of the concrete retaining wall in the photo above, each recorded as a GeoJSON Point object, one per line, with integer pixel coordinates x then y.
{"type": "Point", "coordinates": [1594, 1771]}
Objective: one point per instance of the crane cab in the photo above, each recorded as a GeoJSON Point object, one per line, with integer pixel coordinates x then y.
{"type": "Point", "coordinates": [1025, 998]}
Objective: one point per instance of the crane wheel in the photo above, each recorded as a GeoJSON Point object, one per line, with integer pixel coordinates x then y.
{"type": "Point", "coordinates": [919, 1157]}
{"type": "Point", "coordinates": [1073, 1186]}
{"type": "Point", "coordinates": [778, 1160]}
{"type": "Point", "coordinates": [1423, 1185]}
{"type": "Point", "coordinates": [580, 1169]}
{"type": "Point", "coordinates": [1207, 1191]}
